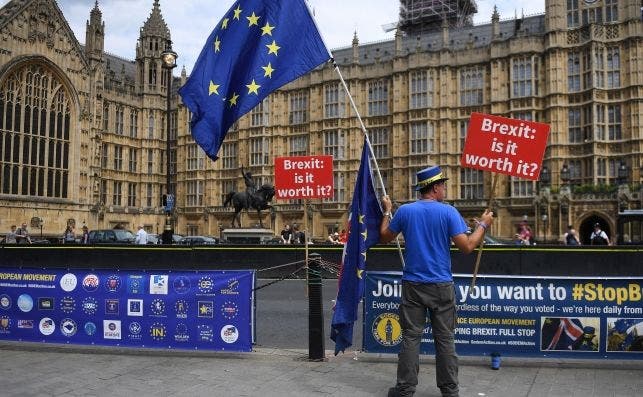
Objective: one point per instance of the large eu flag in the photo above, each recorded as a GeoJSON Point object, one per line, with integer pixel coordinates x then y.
{"type": "Point", "coordinates": [257, 47]}
{"type": "Point", "coordinates": [364, 231]}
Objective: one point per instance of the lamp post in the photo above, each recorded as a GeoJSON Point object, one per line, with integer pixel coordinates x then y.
{"type": "Point", "coordinates": [544, 219]}
{"type": "Point", "coordinates": [622, 174]}
{"type": "Point", "coordinates": [169, 62]}
{"type": "Point", "coordinates": [564, 174]}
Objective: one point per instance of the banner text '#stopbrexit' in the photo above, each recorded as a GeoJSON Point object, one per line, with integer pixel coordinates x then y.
{"type": "Point", "coordinates": [580, 291]}
{"type": "Point", "coordinates": [28, 277]}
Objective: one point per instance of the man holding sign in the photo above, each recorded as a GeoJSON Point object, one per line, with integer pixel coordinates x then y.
{"type": "Point", "coordinates": [429, 226]}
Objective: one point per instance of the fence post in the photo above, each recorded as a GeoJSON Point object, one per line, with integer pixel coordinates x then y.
{"type": "Point", "coordinates": [316, 348]}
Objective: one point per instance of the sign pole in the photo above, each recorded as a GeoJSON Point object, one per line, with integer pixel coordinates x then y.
{"type": "Point", "coordinates": [475, 270]}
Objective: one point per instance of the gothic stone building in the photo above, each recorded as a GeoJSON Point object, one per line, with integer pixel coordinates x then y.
{"type": "Point", "coordinates": [82, 132]}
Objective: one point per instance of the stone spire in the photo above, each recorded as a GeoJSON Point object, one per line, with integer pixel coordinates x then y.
{"type": "Point", "coordinates": [155, 24]}
{"type": "Point", "coordinates": [355, 48]}
{"type": "Point", "coordinates": [95, 34]}
{"type": "Point", "coordinates": [495, 23]}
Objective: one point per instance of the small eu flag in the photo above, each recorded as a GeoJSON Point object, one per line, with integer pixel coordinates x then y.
{"type": "Point", "coordinates": [257, 47]}
{"type": "Point", "coordinates": [364, 231]}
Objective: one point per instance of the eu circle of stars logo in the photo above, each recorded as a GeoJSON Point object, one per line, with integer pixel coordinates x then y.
{"type": "Point", "coordinates": [205, 285]}
{"type": "Point", "coordinates": [158, 307]}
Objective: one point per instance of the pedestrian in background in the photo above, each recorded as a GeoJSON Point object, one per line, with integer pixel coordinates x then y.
{"type": "Point", "coordinates": [10, 238]}
{"type": "Point", "coordinates": [141, 236]}
{"type": "Point", "coordinates": [69, 237]}
{"type": "Point", "coordinates": [571, 238]}
{"type": "Point", "coordinates": [84, 239]}
{"type": "Point", "coordinates": [22, 235]}
{"type": "Point", "coordinates": [286, 235]}
{"type": "Point", "coordinates": [428, 225]}
{"type": "Point", "coordinates": [598, 236]}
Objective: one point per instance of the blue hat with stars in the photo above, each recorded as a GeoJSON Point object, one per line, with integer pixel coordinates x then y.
{"type": "Point", "coordinates": [428, 176]}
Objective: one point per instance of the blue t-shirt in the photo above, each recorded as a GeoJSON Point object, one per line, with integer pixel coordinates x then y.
{"type": "Point", "coordinates": [427, 227]}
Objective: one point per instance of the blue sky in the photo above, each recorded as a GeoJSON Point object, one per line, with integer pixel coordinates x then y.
{"type": "Point", "coordinates": [191, 21]}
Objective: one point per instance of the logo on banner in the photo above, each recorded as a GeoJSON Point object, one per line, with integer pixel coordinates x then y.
{"type": "Point", "coordinates": [25, 303]}
{"type": "Point", "coordinates": [91, 282]}
{"type": "Point", "coordinates": [158, 284]}
{"type": "Point", "coordinates": [231, 288]}
{"type": "Point", "coordinates": [45, 303]}
{"type": "Point", "coordinates": [5, 324]}
{"type": "Point", "coordinates": [111, 329]}
{"type": "Point", "coordinates": [158, 331]}
{"type": "Point", "coordinates": [90, 306]}
{"type": "Point", "coordinates": [47, 326]}
{"type": "Point", "coordinates": [229, 310]}
{"type": "Point", "coordinates": [67, 304]}
{"type": "Point", "coordinates": [135, 331]}
{"type": "Point", "coordinates": [387, 330]}
{"type": "Point", "coordinates": [25, 324]}
{"type": "Point", "coordinates": [111, 306]}
{"type": "Point", "coordinates": [206, 333]}
{"type": "Point", "coordinates": [181, 285]}
{"type": "Point", "coordinates": [5, 302]}
{"type": "Point", "coordinates": [181, 333]}
{"type": "Point", "coordinates": [68, 327]}
{"type": "Point", "coordinates": [135, 307]}
{"type": "Point", "coordinates": [158, 307]}
{"type": "Point", "coordinates": [112, 283]}
{"type": "Point", "coordinates": [135, 284]}
{"type": "Point", "coordinates": [205, 285]}
{"type": "Point", "coordinates": [90, 328]}
{"type": "Point", "coordinates": [181, 308]}
{"type": "Point", "coordinates": [68, 282]}
{"type": "Point", "coordinates": [206, 309]}
{"type": "Point", "coordinates": [229, 333]}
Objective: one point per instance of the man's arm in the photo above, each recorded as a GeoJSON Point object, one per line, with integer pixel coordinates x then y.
{"type": "Point", "coordinates": [386, 235]}
{"type": "Point", "coordinates": [467, 244]}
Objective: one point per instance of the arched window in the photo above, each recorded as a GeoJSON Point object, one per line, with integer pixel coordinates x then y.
{"type": "Point", "coordinates": [35, 124]}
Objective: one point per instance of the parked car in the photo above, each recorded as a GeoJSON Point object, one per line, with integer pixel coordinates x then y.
{"type": "Point", "coordinates": [111, 236]}
{"type": "Point", "coordinates": [198, 240]}
{"type": "Point", "coordinates": [153, 238]}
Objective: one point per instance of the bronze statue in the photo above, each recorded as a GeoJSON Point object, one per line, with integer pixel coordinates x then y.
{"type": "Point", "coordinates": [258, 200]}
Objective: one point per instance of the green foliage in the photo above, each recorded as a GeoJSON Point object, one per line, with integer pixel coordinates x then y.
{"type": "Point", "coordinates": [582, 189]}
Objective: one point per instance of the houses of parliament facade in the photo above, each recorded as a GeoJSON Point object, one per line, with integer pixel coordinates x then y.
{"type": "Point", "coordinates": [83, 137]}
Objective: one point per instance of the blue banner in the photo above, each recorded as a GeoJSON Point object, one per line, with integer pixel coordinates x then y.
{"type": "Point", "coordinates": [209, 310]}
{"type": "Point", "coordinates": [521, 316]}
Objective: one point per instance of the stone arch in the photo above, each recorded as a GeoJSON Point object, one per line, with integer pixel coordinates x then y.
{"type": "Point", "coordinates": [586, 226]}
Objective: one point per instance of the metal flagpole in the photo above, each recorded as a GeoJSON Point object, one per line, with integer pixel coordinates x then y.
{"type": "Point", "coordinates": [370, 147]}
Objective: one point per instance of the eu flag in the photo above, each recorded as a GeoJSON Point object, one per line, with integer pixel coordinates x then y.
{"type": "Point", "coordinates": [257, 47]}
{"type": "Point", "coordinates": [364, 231]}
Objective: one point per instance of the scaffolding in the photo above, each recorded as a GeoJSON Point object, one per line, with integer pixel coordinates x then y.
{"type": "Point", "coordinates": [418, 16]}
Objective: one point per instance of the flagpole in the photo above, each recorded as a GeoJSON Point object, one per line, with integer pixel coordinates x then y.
{"type": "Point", "coordinates": [370, 147]}
{"type": "Point", "coordinates": [475, 270]}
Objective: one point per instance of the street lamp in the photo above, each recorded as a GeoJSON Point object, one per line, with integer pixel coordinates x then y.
{"type": "Point", "coordinates": [564, 174]}
{"type": "Point", "coordinates": [169, 62]}
{"type": "Point", "coordinates": [544, 219]}
{"type": "Point", "coordinates": [622, 174]}
{"type": "Point", "coordinates": [545, 177]}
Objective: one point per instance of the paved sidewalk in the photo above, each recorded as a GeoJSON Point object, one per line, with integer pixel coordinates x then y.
{"type": "Point", "coordinates": [46, 370]}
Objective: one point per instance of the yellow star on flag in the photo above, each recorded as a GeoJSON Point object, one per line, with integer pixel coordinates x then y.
{"type": "Point", "coordinates": [365, 233]}
{"type": "Point", "coordinates": [273, 48]}
{"type": "Point", "coordinates": [224, 23]}
{"type": "Point", "coordinates": [237, 12]}
{"type": "Point", "coordinates": [364, 255]}
{"type": "Point", "coordinates": [267, 29]}
{"type": "Point", "coordinates": [217, 44]}
{"type": "Point", "coordinates": [253, 19]}
{"type": "Point", "coordinates": [268, 70]}
{"type": "Point", "coordinates": [203, 310]}
{"type": "Point", "coordinates": [361, 218]}
{"type": "Point", "coordinates": [253, 87]}
{"type": "Point", "coordinates": [233, 100]}
{"type": "Point", "coordinates": [214, 88]}
{"type": "Point", "coordinates": [359, 273]}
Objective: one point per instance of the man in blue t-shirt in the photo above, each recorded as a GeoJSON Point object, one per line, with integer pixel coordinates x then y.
{"type": "Point", "coordinates": [429, 226]}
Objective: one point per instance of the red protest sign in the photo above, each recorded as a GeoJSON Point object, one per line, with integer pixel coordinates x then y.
{"type": "Point", "coordinates": [301, 177]}
{"type": "Point", "coordinates": [503, 145]}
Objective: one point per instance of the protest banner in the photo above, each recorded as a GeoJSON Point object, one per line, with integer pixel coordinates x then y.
{"type": "Point", "coordinates": [303, 177]}
{"type": "Point", "coordinates": [506, 146]}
